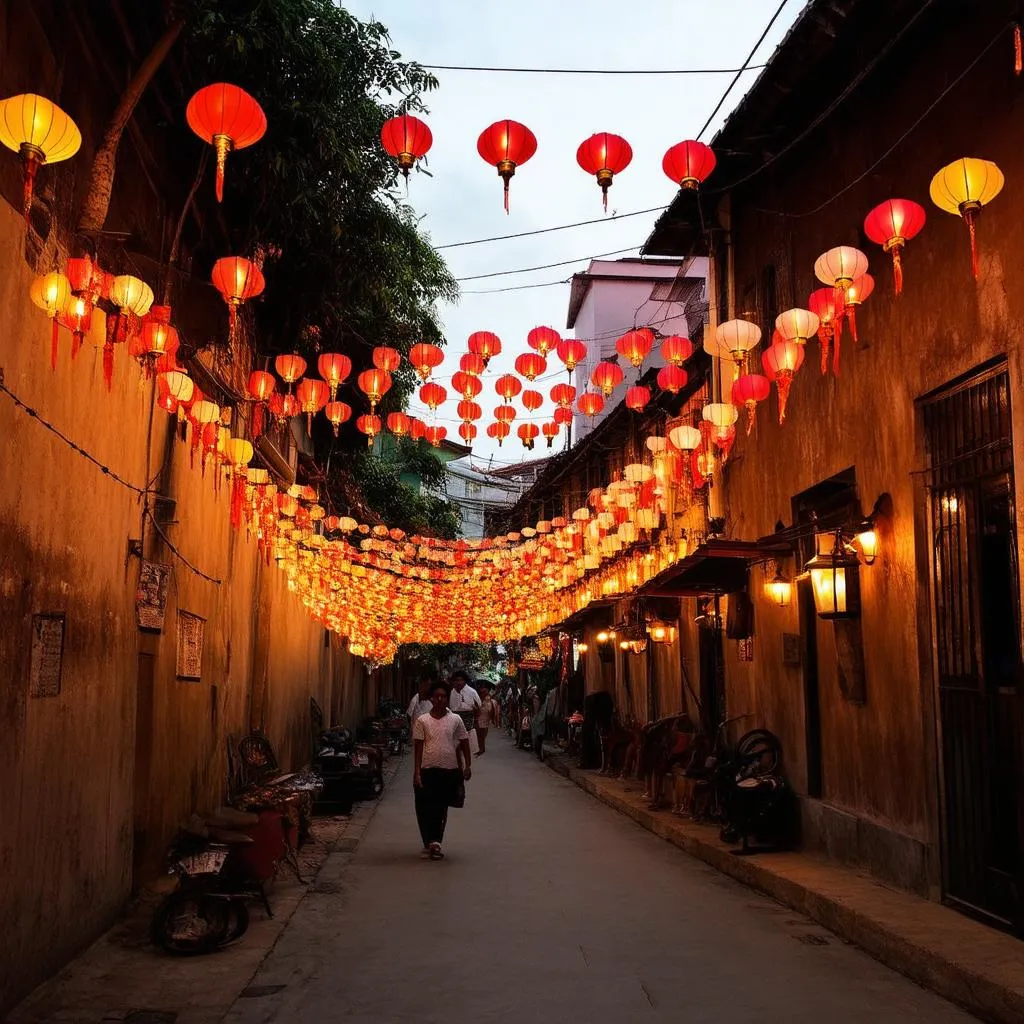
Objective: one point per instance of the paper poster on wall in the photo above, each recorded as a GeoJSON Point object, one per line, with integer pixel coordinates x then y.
{"type": "Point", "coordinates": [47, 659]}
{"type": "Point", "coordinates": [151, 596]}
{"type": "Point", "coordinates": [191, 630]}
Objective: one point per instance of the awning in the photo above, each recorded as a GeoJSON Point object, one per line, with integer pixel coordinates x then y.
{"type": "Point", "coordinates": [575, 622]}
{"type": "Point", "coordinates": [715, 567]}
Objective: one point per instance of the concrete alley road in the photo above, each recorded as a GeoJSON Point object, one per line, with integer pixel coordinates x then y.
{"type": "Point", "coordinates": [550, 905]}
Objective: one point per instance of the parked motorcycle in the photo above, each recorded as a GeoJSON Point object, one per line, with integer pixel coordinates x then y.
{"type": "Point", "coordinates": [353, 771]}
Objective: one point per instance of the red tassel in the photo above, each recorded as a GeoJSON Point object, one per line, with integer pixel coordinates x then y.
{"type": "Point", "coordinates": [825, 337]}
{"type": "Point", "coordinates": [53, 344]}
{"type": "Point", "coordinates": [971, 216]}
{"type": "Point", "coordinates": [108, 363]}
{"type": "Point", "coordinates": [1018, 51]}
{"type": "Point", "coordinates": [506, 195]}
{"type": "Point", "coordinates": [237, 497]}
{"type": "Point", "coordinates": [782, 385]}
{"type": "Point", "coordinates": [76, 343]}
{"type": "Point", "coordinates": [257, 420]}
{"type": "Point", "coordinates": [851, 316]}
{"type": "Point", "coordinates": [31, 163]}
{"type": "Point", "coordinates": [232, 323]}
{"type": "Point", "coordinates": [835, 356]}
{"type": "Point", "coordinates": [897, 270]}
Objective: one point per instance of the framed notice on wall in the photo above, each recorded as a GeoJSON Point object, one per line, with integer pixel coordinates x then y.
{"type": "Point", "coordinates": [191, 630]}
{"type": "Point", "coordinates": [47, 659]}
{"type": "Point", "coordinates": [151, 596]}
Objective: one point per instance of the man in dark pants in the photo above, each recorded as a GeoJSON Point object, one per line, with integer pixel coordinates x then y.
{"type": "Point", "coordinates": [438, 737]}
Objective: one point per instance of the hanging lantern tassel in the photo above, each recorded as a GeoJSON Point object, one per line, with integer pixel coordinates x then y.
{"type": "Point", "coordinates": [54, 342]}
{"type": "Point", "coordinates": [851, 316]}
{"type": "Point", "coordinates": [31, 162]}
{"type": "Point", "coordinates": [222, 143]}
{"type": "Point", "coordinates": [232, 322]}
{"type": "Point", "coordinates": [970, 214]}
{"type": "Point", "coordinates": [783, 382]}
{"type": "Point", "coordinates": [108, 362]}
{"type": "Point", "coordinates": [897, 267]}
{"type": "Point", "coordinates": [1018, 51]}
{"type": "Point", "coordinates": [237, 495]}
{"type": "Point", "coordinates": [825, 338]}
{"type": "Point", "coordinates": [257, 420]}
{"type": "Point", "coordinates": [506, 168]}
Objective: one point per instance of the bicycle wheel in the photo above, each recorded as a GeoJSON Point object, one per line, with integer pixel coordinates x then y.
{"type": "Point", "coordinates": [758, 752]}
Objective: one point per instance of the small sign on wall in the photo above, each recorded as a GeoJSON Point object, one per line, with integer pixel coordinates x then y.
{"type": "Point", "coordinates": [47, 654]}
{"type": "Point", "coordinates": [191, 630]}
{"type": "Point", "coordinates": [151, 596]}
{"type": "Point", "coordinates": [791, 649]}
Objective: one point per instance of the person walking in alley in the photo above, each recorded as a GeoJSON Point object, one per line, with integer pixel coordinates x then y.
{"type": "Point", "coordinates": [420, 703]}
{"type": "Point", "coordinates": [439, 737]}
{"type": "Point", "coordinates": [486, 715]}
{"type": "Point", "coordinates": [464, 700]}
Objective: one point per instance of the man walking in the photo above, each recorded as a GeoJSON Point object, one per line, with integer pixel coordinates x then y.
{"type": "Point", "coordinates": [464, 699]}
{"type": "Point", "coordinates": [439, 737]}
{"type": "Point", "coordinates": [420, 703]}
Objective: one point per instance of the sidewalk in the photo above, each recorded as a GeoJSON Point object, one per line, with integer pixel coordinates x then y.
{"type": "Point", "coordinates": [968, 963]}
{"type": "Point", "coordinates": [123, 977]}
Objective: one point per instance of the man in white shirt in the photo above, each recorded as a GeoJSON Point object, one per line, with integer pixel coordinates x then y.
{"type": "Point", "coordinates": [420, 703]}
{"type": "Point", "coordinates": [464, 700]}
{"type": "Point", "coordinates": [438, 738]}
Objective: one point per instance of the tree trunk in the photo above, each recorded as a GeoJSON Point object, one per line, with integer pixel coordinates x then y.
{"type": "Point", "coordinates": [101, 177]}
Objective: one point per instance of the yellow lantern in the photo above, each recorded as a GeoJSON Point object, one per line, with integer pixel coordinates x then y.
{"type": "Point", "coordinates": [51, 293]}
{"type": "Point", "coordinates": [963, 188]}
{"type": "Point", "coordinates": [40, 132]}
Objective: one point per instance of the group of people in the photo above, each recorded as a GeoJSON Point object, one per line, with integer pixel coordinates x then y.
{"type": "Point", "coordinates": [443, 715]}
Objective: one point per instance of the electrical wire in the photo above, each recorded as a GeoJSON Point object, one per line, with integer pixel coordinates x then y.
{"type": "Point", "coordinates": [591, 71]}
{"type": "Point", "coordinates": [177, 554]}
{"type": "Point", "coordinates": [548, 266]}
{"type": "Point", "coordinates": [515, 288]}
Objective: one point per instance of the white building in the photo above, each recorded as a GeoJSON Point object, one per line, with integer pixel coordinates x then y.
{"type": "Point", "coordinates": [614, 296]}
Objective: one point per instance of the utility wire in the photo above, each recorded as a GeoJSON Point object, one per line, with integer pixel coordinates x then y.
{"type": "Point", "coordinates": [515, 288]}
{"type": "Point", "coordinates": [548, 266]}
{"type": "Point", "coordinates": [177, 554]}
{"type": "Point", "coordinates": [593, 71]}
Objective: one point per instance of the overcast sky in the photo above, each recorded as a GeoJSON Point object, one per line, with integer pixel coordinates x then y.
{"type": "Point", "coordinates": [463, 199]}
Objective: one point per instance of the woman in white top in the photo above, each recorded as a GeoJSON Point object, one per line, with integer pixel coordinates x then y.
{"type": "Point", "coordinates": [438, 738]}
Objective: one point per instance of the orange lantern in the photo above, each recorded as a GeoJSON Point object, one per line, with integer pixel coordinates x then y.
{"type": "Point", "coordinates": [563, 395]}
{"type": "Point", "coordinates": [857, 292]}
{"type": "Point", "coordinates": [407, 139]}
{"type": "Point", "coordinates": [469, 411]}
{"type": "Point", "coordinates": [485, 345]}
{"type": "Point", "coordinates": [563, 415]}
{"type": "Point", "coordinates": [676, 350]}
{"type": "Point", "coordinates": [435, 435]}
{"type": "Point", "coordinates": [505, 145]}
{"type": "Point", "coordinates": [528, 433]}
{"type": "Point", "coordinates": [688, 164]}
{"type": "Point", "coordinates": [237, 280]}
{"type": "Point", "coordinates": [432, 395]}
{"type": "Point", "coordinates": [550, 431]}
{"type": "Point", "coordinates": [635, 345]}
{"type": "Point", "coordinates": [543, 339]}
{"type": "Point", "coordinates": [467, 385]}
{"type": "Point", "coordinates": [283, 407]}
{"type": "Point", "coordinates": [606, 377]}
{"type": "Point", "coordinates": [261, 386]}
{"type": "Point", "coordinates": [399, 423]}
{"type": "Point", "coordinates": [312, 395]}
{"type": "Point", "coordinates": [505, 413]}
{"type": "Point", "coordinates": [375, 384]}
{"type": "Point", "coordinates": [532, 400]}
{"type": "Point", "coordinates": [417, 428]}
{"type": "Point", "coordinates": [386, 358]}
{"type": "Point", "coordinates": [591, 403]}
{"type": "Point", "coordinates": [290, 367]}
{"type": "Point", "coordinates": [571, 352]}
{"type": "Point", "coordinates": [637, 397]}
{"type": "Point", "coordinates": [781, 361]}
{"type": "Point", "coordinates": [498, 431]}
{"type": "Point", "coordinates": [368, 425]}
{"type": "Point", "coordinates": [334, 368]}
{"type": "Point", "coordinates": [337, 413]}
{"type": "Point", "coordinates": [472, 364]}
{"type": "Point", "coordinates": [531, 365]}
{"type": "Point", "coordinates": [672, 378]}
{"type": "Point", "coordinates": [228, 118]}
{"type": "Point", "coordinates": [468, 432]}
{"type": "Point", "coordinates": [425, 359]}
{"type": "Point", "coordinates": [508, 386]}
{"type": "Point", "coordinates": [158, 336]}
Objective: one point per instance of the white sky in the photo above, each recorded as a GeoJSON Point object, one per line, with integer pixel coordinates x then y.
{"type": "Point", "coordinates": [463, 199]}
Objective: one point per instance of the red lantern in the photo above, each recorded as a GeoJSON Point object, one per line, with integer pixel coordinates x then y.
{"type": "Point", "coordinates": [505, 413]}
{"type": "Point", "coordinates": [543, 339]}
{"type": "Point", "coordinates": [485, 345]}
{"type": "Point", "coordinates": [386, 358]}
{"type": "Point", "coordinates": [237, 280]}
{"type": "Point", "coordinates": [822, 303]}
{"type": "Point", "coordinates": [606, 377]}
{"type": "Point", "coordinates": [337, 413]}
{"type": "Point", "coordinates": [334, 368]}
{"type": "Point", "coordinates": [672, 378]}
{"type": "Point", "coordinates": [855, 293]}
{"type": "Point", "coordinates": [505, 145]}
{"type": "Point", "coordinates": [532, 400]}
{"type": "Point", "coordinates": [637, 397]}
{"type": "Point", "coordinates": [508, 386]}
{"type": "Point", "coordinates": [468, 431]}
{"type": "Point", "coordinates": [498, 431]}
{"type": "Point", "coordinates": [747, 391]}
{"type": "Point", "coordinates": [635, 345]}
{"type": "Point", "coordinates": [531, 365]}
{"type": "Point", "coordinates": [563, 395]}
{"type": "Point", "coordinates": [604, 155]}
{"type": "Point", "coordinates": [469, 411]}
{"type": "Point", "coordinates": [472, 364]}
{"type": "Point", "coordinates": [407, 139]}
{"type": "Point", "coordinates": [290, 367]}
{"type": "Point", "coordinates": [891, 225]}
{"type": "Point", "coordinates": [435, 435]}
{"type": "Point", "coordinates": [676, 350]}
{"type": "Point", "coordinates": [375, 384]}
{"type": "Point", "coordinates": [261, 388]}
{"type": "Point", "coordinates": [417, 428]}
{"type": "Point", "coordinates": [688, 163]}
{"type": "Point", "coordinates": [312, 395]}
{"type": "Point", "coordinates": [466, 385]}
{"type": "Point", "coordinates": [432, 395]}
{"type": "Point", "coordinates": [228, 118]}
{"type": "Point", "coordinates": [528, 434]}
{"type": "Point", "coordinates": [550, 431]}
{"type": "Point", "coordinates": [571, 352]}
{"type": "Point", "coordinates": [563, 415]}
{"type": "Point", "coordinates": [425, 359]}
{"type": "Point", "coordinates": [590, 403]}
{"type": "Point", "coordinates": [399, 423]}
{"type": "Point", "coordinates": [370, 426]}
{"type": "Point", "coordinates": [781, 360]}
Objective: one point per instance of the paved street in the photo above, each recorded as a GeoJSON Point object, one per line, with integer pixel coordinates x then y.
{"type": "Point", "coordinates": [550, 904]}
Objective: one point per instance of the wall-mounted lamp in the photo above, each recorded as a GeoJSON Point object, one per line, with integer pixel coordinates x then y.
{"type": "Point", "coordinates": [583, 647]}
{"type": "Point", "coordinates": [779, 589]}
{"type": "Point", "coordinates": [661, 632]}
{"type": "Point", "coordinates": [867, 541]}
{"type": "Point", "coordinates": [604, 636]}
{"type": "Point", "coordinates": [835, 577]}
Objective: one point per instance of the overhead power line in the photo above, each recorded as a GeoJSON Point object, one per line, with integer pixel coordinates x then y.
{"type": "Point", "coordinates": [548, 266]}
{"type": "Point", "coordinates": [593, 71]}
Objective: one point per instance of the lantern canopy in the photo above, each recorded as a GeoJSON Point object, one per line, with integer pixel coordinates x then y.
{"type": "Point", "coordinates": [228, 118]}
{"type": "Point", "coordinates": [550, 432]}
{"type": "Point", "coordinates": [532, 400]}
{"type": "Point", "coordinates": [508, 386]}
{"type": "Point", "coordinates": [375, 384]}
{"type": "Point", "coordinates": [40, 133]}
{"type": "Point", "coordinates": [290, 367]}
{"type": "Point", "coordinates": [688, 163]}
{"type": "Point", "coordinates": [471, 363]}
{"type": "Point", "coordinates": [637, 397]}
{"type": "Point", "coordinates": [505, 413]}
{"type": "Point", "coordinates": [406, 139]}
{"type": "Point", "coordinates": [399, 423]}
{"type": "Point", "coordinates": [528, 433]}
{"type": "Point", "coordinates": [733, 340]}
{"type": "Point", "coordinates": [590, 403]}
{"type": "Point", "coordinates": [337, 413]}
{"type": "Point", "coordinates": [498, 431]}
{"type": "Point", "coordinates": [797, 324]}
{"type": "Point", "coordinates": [369, 425]}
{"type": "Point", "coordinates": [432, 395]}
{"type": "Point", "coordinates": [505, 145]}
{"type": "Point", "coordinates": [467, 384]}
{"type": "Point", "coordinates": [604, 155]}
{"type": "Point", "coordinates": [891, 225]}
{"type": "Point", "coordinates": [965, 187]}
{"type": "Point", "coordinates": [685, 438]}
{"type": "Point", "coordinates": [563, 395]}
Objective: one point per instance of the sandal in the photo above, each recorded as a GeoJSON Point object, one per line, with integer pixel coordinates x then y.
{"type": "Point", "coordinates": [435, 852]}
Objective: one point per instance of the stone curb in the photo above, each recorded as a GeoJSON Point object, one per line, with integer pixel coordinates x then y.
{"type": "Point", "coordinates": [891, 926]}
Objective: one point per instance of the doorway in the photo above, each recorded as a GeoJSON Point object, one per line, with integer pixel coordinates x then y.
{"type": "Point", "coordinates": [141, 857]}
{"type": "Point", "coordinates": [976, 626]}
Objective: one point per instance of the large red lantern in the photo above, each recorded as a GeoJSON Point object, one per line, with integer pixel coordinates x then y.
{"type": "Point", "coordinates": [468, 432]}
{"type": "Point", "coordinates": [528, 433]}
{"type": "Point", "coordinates": [399, 423]}
{"type": "Point", "coordinates": [781, 360]}
{"type": "Point", "coordinates": [498, 431]}
{"type": "Point", "coordinates": [505, 413]}
{"type": "Point", "coordinates": [563, 395]}
{"type": "Point", "coordinates": [425, 359]}
{"type": "Point", "coordinates": [635, 345]}
{"type": "Point", "coordinates": [469, 411]}
{"type": "Point", "coordinates": [290, 367]}
{"type": "Point", "coordinates": [370, 426]}
{"type": "Point", "coordinates": [891, 225]}
{"type": "Point", "coordinates": [543, 339]}
{"type": "Point", "coordinates": [606, 377]}
{"type": "Point", "coordinates": [467, 385]}
{"type": "Point", "coordinates": [532, 400]}
{"type": "Point", "coordinates": [604, 155]}
{"type": "Point", "coordinates": [260, 389]}
{"type": "Point", "coordinates": [417, 428]}
{"type": "Point", "coordinates": [508, 386]}
{"type": "Point", "coordinates": [676, 350]}
{"type": "Point", "coordinates": [485, 345]}
{"type": "Point", "coordinates": [375, 384]}
{"type": "Point", "coordinates": [334, 368]}
{"type": "Point", "coordinates": [228, 118]}
{"type": "Point", "coordinates": [672, 378]}
{"type": "Point", "coordinates": [637, 397]}
{"type": "Point", "coordinates": [531, 365]}
{"type": "Point", "coordinates": [432, 395]}
{"type": "Point", "coordinates": [313, 395]}
{"type": "Point", "coordinates": [505, 145]}
{"type": "Point", "coordinates": [407, 139]}
{"type": "Point", "coordinates": [571, 352]}
{"type": "Point", "coordinates": [386, 358]}
{"type": "Point", "coordinates": [472, 364]}
{"type": "Point", "coordinates": [747, 391]}
{"type": "Point", "coordinates": [337, 413]}
{"type": "Point", "coordinates": [435, 435]}
{"type": "Point", "coordinates": [237, 279]}
{"type": "Point", "coordinates": [590, 403]}
{"type": "Point", "coordinates": [688, 163]}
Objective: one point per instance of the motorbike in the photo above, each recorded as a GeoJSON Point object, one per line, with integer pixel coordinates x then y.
{"type": "Point", "coordinates": [355, 768]}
